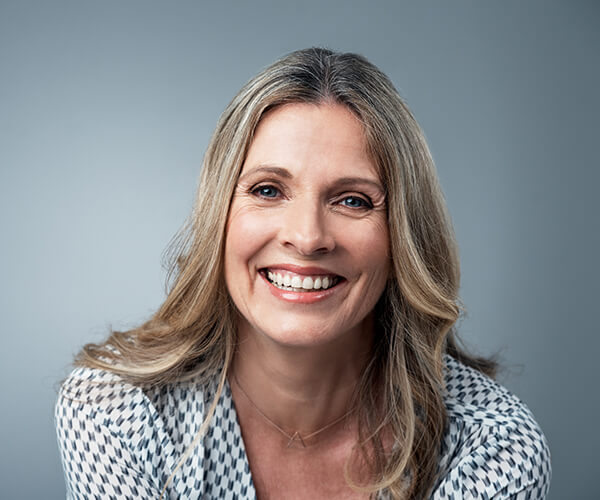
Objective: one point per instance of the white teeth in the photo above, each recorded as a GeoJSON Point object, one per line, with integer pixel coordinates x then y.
{"type": "Point", "coordinates": [298, 283]}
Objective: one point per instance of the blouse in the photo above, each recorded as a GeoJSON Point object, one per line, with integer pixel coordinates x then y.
{"type": "Point", "coordinates": [119, 441]}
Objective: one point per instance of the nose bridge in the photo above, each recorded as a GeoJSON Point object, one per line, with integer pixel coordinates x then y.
{"type": "Point", "coordinates": [306, 226]}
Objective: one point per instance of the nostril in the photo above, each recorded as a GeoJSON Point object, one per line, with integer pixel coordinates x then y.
{"type": "Point", "coordinates": [308, 243]}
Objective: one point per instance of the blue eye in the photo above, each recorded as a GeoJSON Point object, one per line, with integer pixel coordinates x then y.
{"type": "Point", "coordinates": [355, 202]}
{"type": "Point", "coordinates": [266, 191]}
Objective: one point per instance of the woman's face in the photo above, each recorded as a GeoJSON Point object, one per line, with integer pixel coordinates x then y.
{"type": "Point", "coordinates": [306, 255]}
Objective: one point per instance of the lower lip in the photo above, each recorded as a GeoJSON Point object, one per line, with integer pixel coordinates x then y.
{"type": "Point", "coordinates": [302, 297]}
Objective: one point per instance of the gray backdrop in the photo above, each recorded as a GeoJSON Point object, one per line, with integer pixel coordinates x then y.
{"type": "Point", "coordinates": [105, 111]}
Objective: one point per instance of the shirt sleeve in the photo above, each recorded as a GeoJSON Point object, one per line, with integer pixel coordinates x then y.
{"type": "Point", "coordinates": [511, 462]}
{"type": "Point", "coordinates": [97, 458]}
{"type": "Point", "coordinates": [492, 448]}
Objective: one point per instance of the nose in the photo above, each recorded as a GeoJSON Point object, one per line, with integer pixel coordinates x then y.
{"type": "Point", "coordinates": [305, 228]}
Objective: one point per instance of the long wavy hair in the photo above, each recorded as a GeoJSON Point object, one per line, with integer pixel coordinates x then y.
{"type": "Point", "coordinates": [193, 332]}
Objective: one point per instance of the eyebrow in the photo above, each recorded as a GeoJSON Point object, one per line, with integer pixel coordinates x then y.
{"type": "Point", "coordinates": [283, 172]}
{"type": "Point", "coordinates": [268, 169]}
{"type": "Point", "coordinates": [349, 181]}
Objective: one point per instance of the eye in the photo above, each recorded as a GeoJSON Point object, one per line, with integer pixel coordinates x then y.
{"type": "Point", "coordinates": [356, 202]}
{"type": "Point", "coordinates": [266, 191]}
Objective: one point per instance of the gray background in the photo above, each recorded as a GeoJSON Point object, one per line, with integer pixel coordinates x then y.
{"type": "Point", "coordinates": [106, 109]}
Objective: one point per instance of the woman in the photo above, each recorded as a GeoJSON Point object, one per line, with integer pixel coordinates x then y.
{"type": "Point", "coordinates": [305, 349]}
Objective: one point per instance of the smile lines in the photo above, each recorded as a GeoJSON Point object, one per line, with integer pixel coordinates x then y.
{"type": "Point", "coordinates": [297, 283]}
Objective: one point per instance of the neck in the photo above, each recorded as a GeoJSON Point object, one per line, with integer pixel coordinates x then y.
{"type": "Point", "coordinates": [299, 388]}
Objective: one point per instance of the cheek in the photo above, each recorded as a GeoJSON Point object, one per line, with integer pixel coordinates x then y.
{"type": "Point", "coordinates": [246, 235]}
{"type": "Point", "coordinates": [372, 247]}
{"type": "Point", "coordinates": [374, 254]}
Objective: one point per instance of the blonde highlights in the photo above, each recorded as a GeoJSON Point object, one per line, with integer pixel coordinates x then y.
{"type": "Point", "coordinates": [193, 333]}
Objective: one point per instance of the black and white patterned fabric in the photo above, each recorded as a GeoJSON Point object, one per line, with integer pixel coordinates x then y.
{"type": "Point", "coordinates": [118, 441]}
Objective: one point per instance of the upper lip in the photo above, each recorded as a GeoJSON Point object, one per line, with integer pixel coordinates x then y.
{"type": "Point", "coordinates": [302, 270]}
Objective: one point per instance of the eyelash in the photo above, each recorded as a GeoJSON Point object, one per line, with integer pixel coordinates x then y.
{"type": "Point", "coordinates": [365, 202]}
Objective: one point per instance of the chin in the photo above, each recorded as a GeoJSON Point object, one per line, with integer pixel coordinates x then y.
{"type": "Point", "coordinates": [311, 334]}
{"type": "Point", "coordinates": [301, 339]}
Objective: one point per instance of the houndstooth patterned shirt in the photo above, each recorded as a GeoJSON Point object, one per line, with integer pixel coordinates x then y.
{"type": "Point", "coordinates": [118, 441]}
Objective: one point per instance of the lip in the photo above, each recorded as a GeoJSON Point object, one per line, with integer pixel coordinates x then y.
{"type": "Point", "coordinates": [302, 297]}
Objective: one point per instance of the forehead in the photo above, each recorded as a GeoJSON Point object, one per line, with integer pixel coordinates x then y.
{"type": "Point", "coordinates": [302, 135]}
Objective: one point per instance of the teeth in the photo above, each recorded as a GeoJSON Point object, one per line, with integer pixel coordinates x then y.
{"type": "Point", "coordinates": [297, 283]}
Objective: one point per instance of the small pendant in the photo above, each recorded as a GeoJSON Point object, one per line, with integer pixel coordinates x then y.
{"type": "Point", "coordinates": [296, 437]}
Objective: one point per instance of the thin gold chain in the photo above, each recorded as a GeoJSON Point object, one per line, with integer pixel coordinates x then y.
{"type": "Point", "coordinates": [296, 436]}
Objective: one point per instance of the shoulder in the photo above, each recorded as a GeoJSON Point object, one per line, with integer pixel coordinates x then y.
{"type": "Point", "coordinates": [100, 394]}
{"type": "Point", "coordinates": [492, 447]}
{"type": "Point", "coordinates": [117, 437]}
{"type": "Point", "coordinates": [95, 392]}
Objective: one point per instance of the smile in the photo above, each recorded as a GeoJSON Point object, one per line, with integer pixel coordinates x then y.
{"type": "Point", "coordinates": [292, 282]}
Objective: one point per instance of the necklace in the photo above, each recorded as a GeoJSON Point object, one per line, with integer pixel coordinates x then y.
{"type": "Point", "coordinates": [296, 436]}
